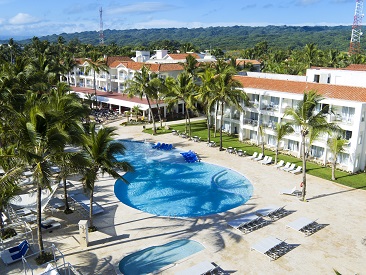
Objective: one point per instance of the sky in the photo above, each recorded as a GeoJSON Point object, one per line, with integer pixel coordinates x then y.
{"type": "Point", "coordinates": [28, 18]}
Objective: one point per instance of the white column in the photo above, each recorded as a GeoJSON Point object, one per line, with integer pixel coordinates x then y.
{"type": "Point", "coordinates": [83, 232]}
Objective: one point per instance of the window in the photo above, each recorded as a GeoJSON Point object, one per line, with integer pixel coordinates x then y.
{"type": "Point", "coordinates": [271, 140]}
{"type": "Point", "coordinates": [343, 159]}
{"type": "Point", "coordinates": [316, 151]}
{"type": "Point", "coordinates": [363, 117]}
{"type": "Point", "coordinates": [347, 135]}
{"type": "Point", "coordinates": [316, 78]}
{"type": "Point", "coordinates": [293, 145]}
{"type": "Point", "coordinates": [253, 135]}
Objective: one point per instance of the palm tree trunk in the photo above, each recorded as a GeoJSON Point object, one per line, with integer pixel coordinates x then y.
{"type": "Point", "coordinates": [189, 124]}
{"type": "Point", "coordinates": [303, 193]}
{"type": "Point", "coordinates": [276, 155]}
{"type": "Point", "coordinates": [39, 217]}
{"type": "Point", "coordinates": [95, 90]}
{"type": "Point", "coordinates": [221, 124]}
{"type": "Point", "coordinates": [334, 164]}
{"type": "Point", "coordinates": [159, 114]}
{"type": "Point", "coordinates": [216, 111]}
{"type": "Point", "coordinates": [91, 208]}
{"type": "Point", "coordinates": [152, 115]}
{"type": "Point", "coordinates": [208, 126]}
{"type": "Point", "coordinates": [67, 208]}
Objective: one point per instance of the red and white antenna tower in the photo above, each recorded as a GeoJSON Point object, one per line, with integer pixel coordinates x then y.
{"type": "Point", "coordinates": [355, 45]}
{"type": "Point", "coordinates": [101, 34]}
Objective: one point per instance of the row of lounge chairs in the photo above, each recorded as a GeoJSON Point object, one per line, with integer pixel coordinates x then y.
{"type": "Point", "coordinates": [163, 146]}
{"type": "Point", "coordinates": [254, 221]}
{"type": "Point", "coordinates": [265, 160]}
{"type": "Point", "coordinates": [289, 167]}
{"type": "Point", "coordinates": [190, 156]}
{"type": "Point", "coordinates": [271, 246]}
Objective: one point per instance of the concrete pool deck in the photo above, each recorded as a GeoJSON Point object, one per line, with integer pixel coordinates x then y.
{"type": "Point", "coordinates": [123, 230]}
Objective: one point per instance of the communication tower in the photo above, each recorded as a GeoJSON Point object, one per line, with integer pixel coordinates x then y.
{"type": "Point", "coordinates": [355, 45]}
{"type": "Point", "coordinates": [101, 34]}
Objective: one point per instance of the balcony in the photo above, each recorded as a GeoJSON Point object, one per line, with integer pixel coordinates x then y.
{"type": "Point", "coordinates": [252, 122]}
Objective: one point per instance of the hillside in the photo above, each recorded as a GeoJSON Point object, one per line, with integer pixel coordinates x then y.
{"type": "Point", "coordinates": [225, 38]}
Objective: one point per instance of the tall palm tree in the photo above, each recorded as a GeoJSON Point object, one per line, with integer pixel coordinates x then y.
{"type": "Point", "coordinates": [226, 92]}
{"type": "Point", "coordinates": [141, 86]}
{"type": "Point", "coordinates": [307, 118]}
{"type": "Point", "coordinates": [205, 92]}
{"type": "Point", "coordinates": [182, 89]}
{"type": "Point", "coordinates": [262, 135]}
{"type": "Point", "coordinates": [96, 63]}
{"type": "Point", "coordinates": [101, 151]}
{"type": "Point", "coordinates": [280, 131]}
{"type": "Point", "coordinates": [336, 145]}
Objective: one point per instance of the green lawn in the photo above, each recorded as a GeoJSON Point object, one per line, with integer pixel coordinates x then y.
{"type": "Point", "coordinates": [199, 129]}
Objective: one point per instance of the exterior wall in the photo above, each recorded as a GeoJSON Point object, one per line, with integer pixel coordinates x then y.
{"type": "Point", "coordinates": [268, 108]}
{"type": "Point", "coordinates": [337, 77]}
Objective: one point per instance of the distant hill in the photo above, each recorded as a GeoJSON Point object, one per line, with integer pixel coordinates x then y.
{"type": "Point", "coordinates": [225, 38]}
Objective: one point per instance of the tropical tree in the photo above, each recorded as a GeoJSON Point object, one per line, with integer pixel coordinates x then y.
{"type": "Point", "coordinates": [262, 135]}
{"type": "Point", "coordinates": [101, 151]}
{"type": "Point", "coordinates": [136, 111]}
{"type": "Point", "coordinates": [280, 131]}
{"type": "Point", "coordinates": [307, 119]}
{"type": "Point", "coordinates": [204, 95]}
{"type": "Point", "coordinates": [96, 63]}
{"type": "Point", "coordinates": [182, 89]}
{"type": "Point", "coordinates": [226, 92]}
{"type": "Point", "coordinates": [140, 85]}
{"type": "Point", "coordinates": [336, 145]}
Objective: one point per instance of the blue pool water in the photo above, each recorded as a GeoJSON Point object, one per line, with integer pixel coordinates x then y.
{"type": "Point", "coordinates": [163, 184]}
{"type": "Point", "coordinates": [154, 258]}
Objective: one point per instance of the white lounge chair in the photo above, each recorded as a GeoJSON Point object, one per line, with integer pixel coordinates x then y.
{"type": "Point", "coordinates": [264, 159]}
{"type": "Point", "coordinates": [273, 212]}
{"type": "Point", "coordinates": [280, 164]}
{"type": "Point", "coordinates": [305, 225]}
{"type": "Point", "coordinates": [201, 268]}
{"type": "Point", "coordinates": [292, 167]}
{"type": "Point", "coordinates": [268, 161]}
{"type": "Point", "coordinates": [84, 202]}
{"type": "Point", "coordinates": [248, 223]}
{"type": "Point", "coordinates": [287, 165]}
{"type": "Point", "coordinates": [15, 254]}
{"type": "Point", "coordinates": [260, 157]}
{"type": "Point", "coordinates": [297, 170]}
{"type": "Point", "coordinates": [255, 154]}
{"type": "Point", "coordinates": [271, 247]}
{"type": "Point", "coordinates": [291, 192]}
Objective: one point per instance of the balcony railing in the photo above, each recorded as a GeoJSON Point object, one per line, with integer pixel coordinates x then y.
{"type": "Point", "coordinates": [248, 121]}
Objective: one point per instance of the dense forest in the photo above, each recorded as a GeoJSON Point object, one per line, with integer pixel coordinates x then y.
{"type": "Point", "coordinates": [224, 38]}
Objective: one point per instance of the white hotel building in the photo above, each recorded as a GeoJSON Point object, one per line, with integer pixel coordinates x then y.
{"type": "Point", "coordinates": [344, 90]}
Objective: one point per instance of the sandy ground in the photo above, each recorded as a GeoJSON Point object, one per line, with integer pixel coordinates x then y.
{"type": "Point", "coordinates": [123, 230]}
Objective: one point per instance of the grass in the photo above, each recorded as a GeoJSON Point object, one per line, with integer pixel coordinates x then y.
{"type": "Point", "coordinates": [199, 128]}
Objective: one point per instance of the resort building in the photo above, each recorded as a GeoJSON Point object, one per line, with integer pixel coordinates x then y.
{"type": "Point", "coordinates": [344, 90]}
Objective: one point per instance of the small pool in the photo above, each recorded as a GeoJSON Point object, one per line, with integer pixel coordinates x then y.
{"type": "Point", "coordinates": [165, 185]}
{"type": "Point", "coordinates": [154, 258]}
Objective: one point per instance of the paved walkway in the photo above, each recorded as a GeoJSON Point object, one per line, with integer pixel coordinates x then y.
{"type": "Point", "coordinates": [123, 230]}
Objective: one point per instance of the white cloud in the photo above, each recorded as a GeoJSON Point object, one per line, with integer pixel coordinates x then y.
{"type": "Point", "coordinates": [307, 2]}
{"type": "Point", "coordinates": [22, 18]}
{"type": "Point", "coordinates": [144, 7]}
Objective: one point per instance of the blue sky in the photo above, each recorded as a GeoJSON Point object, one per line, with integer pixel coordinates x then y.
{"type": "Point", "coordinates": [28, 18]}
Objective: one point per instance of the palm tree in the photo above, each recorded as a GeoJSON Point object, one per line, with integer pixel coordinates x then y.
{"type": "Point", "coordinates": [182, 89]}
{"type": "Point", "coordinates": [280, 131]}
{"type": "Point", "coordinates": [140, 85]}
{"type": "Point", "coordinates": [226, 93]}
{"type": "Point", "coordinates": [205, 95]}
{"type": "Point", "coordinates": [308, 119]}
{"type": "Point", "coordinates": [136, 111]}
{"type": "Point", "coordinates": [336, 145]}
{"type": "Point", "coordinates": [261, 134]}
{"type": "Point", "coordinates": [101, 152]}
{"type": "Point", "coordinates": [96, 64]}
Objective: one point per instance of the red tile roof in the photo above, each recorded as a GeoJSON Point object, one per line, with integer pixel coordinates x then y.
{"type": "Point", "coordinates": [295, 87]}
{"type": "Point", "coordinates": [246, 61]}
{"type": "Point", "coordinates": [178, 56]}
{"type": "Point", "coordinates": [116, 59]}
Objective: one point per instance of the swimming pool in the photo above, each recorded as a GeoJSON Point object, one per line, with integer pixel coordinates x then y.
{"type": "Point", "coordinates": [154, 258]}
{"type": "Point", "coordinates": [163, 184]}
